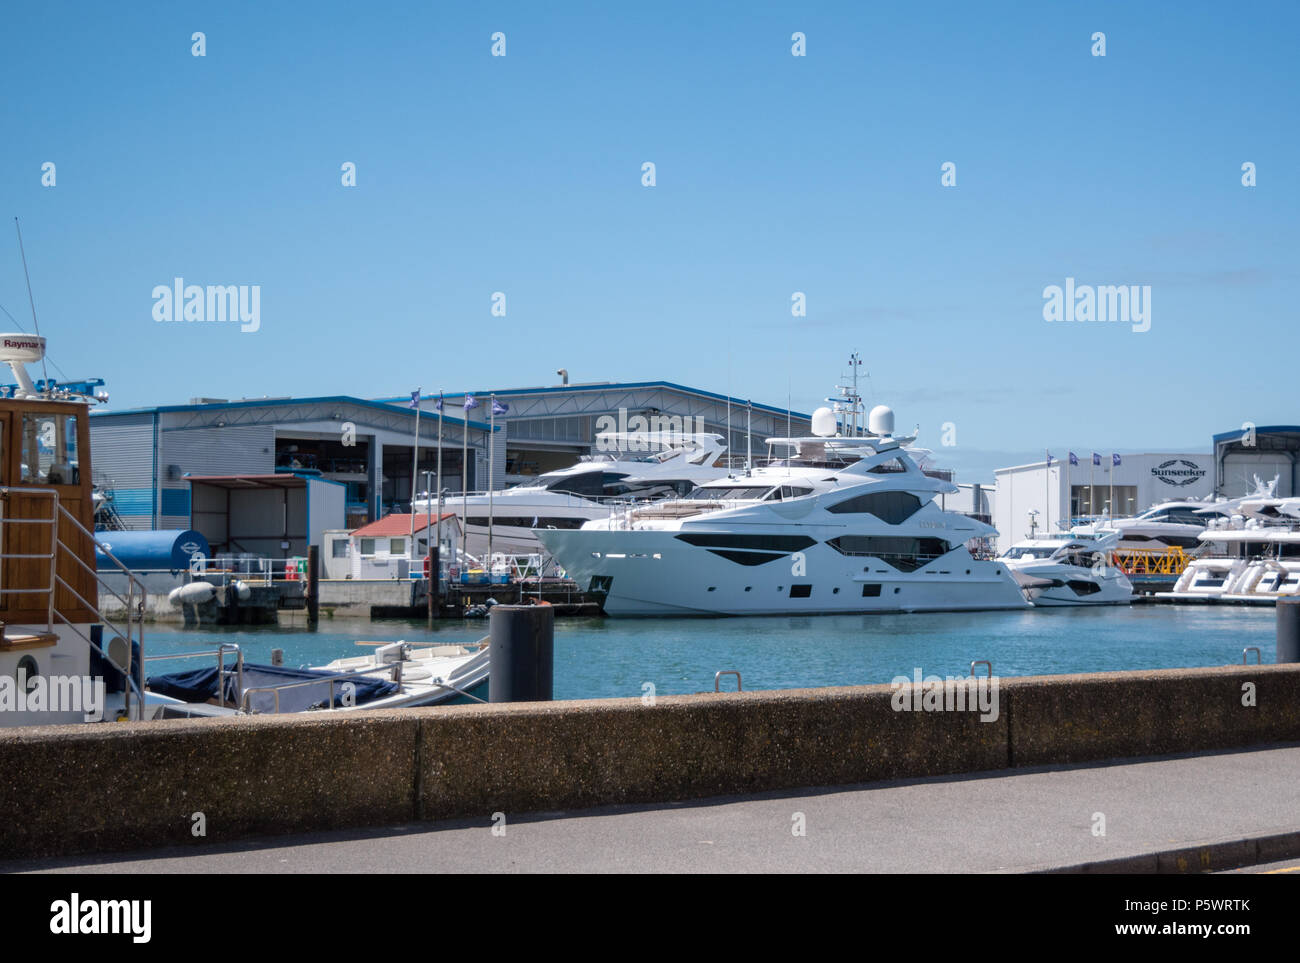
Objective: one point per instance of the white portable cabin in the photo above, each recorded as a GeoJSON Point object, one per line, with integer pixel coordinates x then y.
{"type": "Point", "coordinates": [382, 549]}
{"type": "Point", "coordinates": [336, 553]}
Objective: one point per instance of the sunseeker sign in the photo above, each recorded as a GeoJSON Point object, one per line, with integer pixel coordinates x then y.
{"type": "Point", "coordinates": [1179, 472]}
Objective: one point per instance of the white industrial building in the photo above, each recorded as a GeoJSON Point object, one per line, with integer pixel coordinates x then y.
{"type": "Point", "coordinates": [972, 499]}
{"type": "Point", "coordinates": [1041, 498]}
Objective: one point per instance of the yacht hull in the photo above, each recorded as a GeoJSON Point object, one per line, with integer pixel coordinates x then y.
{"type": "Point", "coordinates": [1050, 586]}
{"type": "Point", "coordinates": [656, 574]}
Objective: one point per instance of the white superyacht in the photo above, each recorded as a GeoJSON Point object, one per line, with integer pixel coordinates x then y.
{"type": "Point", "coordinates": [844, 525]}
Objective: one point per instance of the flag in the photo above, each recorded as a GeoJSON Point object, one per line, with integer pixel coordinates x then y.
{"type": "Point", "coordinates": [1049, 459]}
{"type": "Point", "coordinates": [1096, 458]}
{"type": "Point", "coordinates": [499, 408]}
{"type": "Point", "coordinates": [437, 405]}
{"type": "Point", "coordinates": [470, 402]}
{"type": "Point", "coordinates": [1114, 459]}
{"type": "Point", "coordinates": [1074, 459]}
{"type": "Point", "coordinates": [415, 399]}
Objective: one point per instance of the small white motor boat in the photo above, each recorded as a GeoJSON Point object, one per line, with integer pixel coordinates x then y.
{"type": "Point", "coordinates": [1068, 571]}
{"type": "Point", "coordinates": [396, 675]}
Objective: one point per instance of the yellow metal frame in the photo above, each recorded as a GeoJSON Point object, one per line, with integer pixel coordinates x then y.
{"type": "Point", "coordinates": [1150, 561]}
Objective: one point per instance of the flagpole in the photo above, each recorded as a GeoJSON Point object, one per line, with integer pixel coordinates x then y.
{"type": "Point", "coordinates": [1047, 497]}
{"type": "Point", "coordinates": [492, 427]}
{"type": "Point", "coordinates": [1092, 501]}
{"type": "Point", "coordinates": [415, 467]}
{"type": "Point", "coordinates": [749, 435]}
{"type": "Point", "coordinates": [464, 479]}
{"type": "Point", "coordinates": [1111, 503]}
{"type": "Point", "coordinates": [438, 530]}
{"type": "Point", "coordinates": [1069, 494]}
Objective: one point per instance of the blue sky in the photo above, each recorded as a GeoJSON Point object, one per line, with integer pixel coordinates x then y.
{"type": "Point", "coordinates": [774, 174]}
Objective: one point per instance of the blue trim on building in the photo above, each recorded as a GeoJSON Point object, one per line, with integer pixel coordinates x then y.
{"type": "Point", "coordinates": [618, 386]}
{"type": "Point", "coordinates": [280, 402]}
{"type": "Point", "coordinates": [135, 502]}
{"type": "Point", "coordinates": [1265, 430]}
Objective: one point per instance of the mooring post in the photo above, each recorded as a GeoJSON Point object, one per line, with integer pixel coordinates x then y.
{"type": "Point", "coordinates": [313, 584]}
{"type": "Point", "coordinates": [432, 585]}
{"type": "Point", "coordinates": [1288, 630]}
{"type": "Point", "coordinates": [521, 652]}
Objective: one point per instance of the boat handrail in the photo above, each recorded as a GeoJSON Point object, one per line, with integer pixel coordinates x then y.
{"type": "Point", "coordinates": [447, 685]}
{"type": "Point", "coordinates": [631, 498]}
{"type": "Point", "coordinates": [222, 673]}
{"type": "Point", "coordinates": [331, 679]}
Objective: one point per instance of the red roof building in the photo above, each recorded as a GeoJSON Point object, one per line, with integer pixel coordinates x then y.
{"type": "Point", "coordinates": [392, 526]}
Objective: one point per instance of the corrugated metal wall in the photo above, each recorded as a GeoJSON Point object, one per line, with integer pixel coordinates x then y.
{"type": "Point", "coordinates": [121, 457]}
{"type": "Point", "coordinates": [326, 508]}
{"type": "Point", "coordinates": [499, 459]}
{"type": "Point", "coordinates": [232, 450]}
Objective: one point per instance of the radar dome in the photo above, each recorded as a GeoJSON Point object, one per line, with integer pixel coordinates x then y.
{"type": "Point", "coordinates": [881, 420]}
{"type": "Point", "coordinates": [823, 423]}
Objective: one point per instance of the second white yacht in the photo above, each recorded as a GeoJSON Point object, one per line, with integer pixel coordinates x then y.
{"type": "Point", "coordinates": [590, 489]}
{"type": "Point", "coordinates": [1175, 524]}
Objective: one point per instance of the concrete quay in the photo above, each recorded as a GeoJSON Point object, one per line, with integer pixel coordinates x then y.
{"type": "Point", "coordinates": [110, 787]}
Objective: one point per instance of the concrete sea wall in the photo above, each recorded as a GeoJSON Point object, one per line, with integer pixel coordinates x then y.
{"type": "Point", "coordinates": [74, 789]}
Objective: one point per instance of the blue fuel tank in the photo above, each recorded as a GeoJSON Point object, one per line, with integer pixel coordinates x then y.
{"type": "Point", "coordinates": [142, 551]}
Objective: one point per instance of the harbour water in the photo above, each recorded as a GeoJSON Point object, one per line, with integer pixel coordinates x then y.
{"type": "Point", "coordinates": [599, 658]}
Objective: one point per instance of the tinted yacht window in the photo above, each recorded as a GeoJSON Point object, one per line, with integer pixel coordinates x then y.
{"type": "Point", "coordinates": [904, 554]}
{"type": "Point", "coordinates": [589, 484]}
{"type": "Point", "coordinates": [891, 507]}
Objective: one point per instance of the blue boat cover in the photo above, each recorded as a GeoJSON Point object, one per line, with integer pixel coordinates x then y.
{"type": "Point", "coordinates": [200, 685]}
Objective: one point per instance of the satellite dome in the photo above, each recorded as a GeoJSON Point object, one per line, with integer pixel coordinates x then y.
{"type": "Point", "coordinates": [823, 423]}
{"type": "Point", "coordinates": [881, 420]}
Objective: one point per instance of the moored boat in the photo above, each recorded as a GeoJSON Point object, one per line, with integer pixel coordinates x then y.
{"type": "Point", "coordinates": [1065, 570]}
{"type": "Point", "coordinates": [846, 523]}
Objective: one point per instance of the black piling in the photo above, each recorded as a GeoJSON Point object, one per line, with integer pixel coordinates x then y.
{"type": "Point", "coordinates": [522, 653]}
{"type": "Point", "coordinates": [313, 584]}
{"type": "Point", "coordinates": [1288, 630]}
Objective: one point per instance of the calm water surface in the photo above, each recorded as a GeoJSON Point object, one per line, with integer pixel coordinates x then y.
{"type": "Point", "coordinates": [613, 657]}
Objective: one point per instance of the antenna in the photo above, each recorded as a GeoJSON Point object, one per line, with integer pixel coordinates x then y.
{"type": "Point", "coordinates": [30, 299]}
{"type": "Point", "coordinates": [855, 362]}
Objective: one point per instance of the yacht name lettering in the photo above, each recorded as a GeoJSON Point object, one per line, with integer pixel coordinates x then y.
{"type": "Point", "coordinates": [75, 916]}
{"type": "Point", "coordinates": [1128, 304]}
